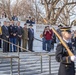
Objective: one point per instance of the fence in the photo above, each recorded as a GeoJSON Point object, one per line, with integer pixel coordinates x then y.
{"type": "Point", "coordinates": [11, 58]}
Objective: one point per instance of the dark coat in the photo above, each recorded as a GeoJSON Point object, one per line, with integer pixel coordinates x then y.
{"type": "Point", "coordinates": [5, 32]}
{"type": "Point", "coordinates": [59, 31]}
{"type": "Point", "coordinates": [30, 34]}
{"type": "Point", "coordinates": [15, 18]}
{"type": "Point", "coordinates": [19, 31]}
{"type": "Point", "coordinates": [29, 21]}
{"type": "Point", "coordinates": [31, 38]}
{"type": "Point", "coordinates": [10, 31]}
{"type": "Point", "coordinates": [74, 41]}
{"type": "Point", "coordinates": [66, 65]}
{"type": "Point", "coordinates": [15, 31]}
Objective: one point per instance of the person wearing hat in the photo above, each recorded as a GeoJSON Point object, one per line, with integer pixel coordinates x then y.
{"type": "Point", "coordinates": [59, 32]}
{"type": "Point", "coordinates": [25, 36]}
{"type": "Point", "coordinates": [29, 20]}
{"type": "Point", "coordinates": [67, 66]}
{"type": "Point", "coordinates": [30, 37]}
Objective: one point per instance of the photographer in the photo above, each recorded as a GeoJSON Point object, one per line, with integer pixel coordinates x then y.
{"type": "Point", "coordinates": [47, 34]}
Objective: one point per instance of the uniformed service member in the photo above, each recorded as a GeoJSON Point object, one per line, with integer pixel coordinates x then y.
{"type": "Point", "coordinates": [62, 56]}
{"type": "Point", "coordinates": [25, 36]}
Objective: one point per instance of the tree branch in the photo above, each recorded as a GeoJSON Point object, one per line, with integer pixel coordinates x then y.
{"type": "Point", "coordinates": [49, 2]}
{"type": "Point", "coordinates": [53, 5]}
{"type": "Point", "coordinates": [59, 11]}
{"type": "Point", "coordinates": [55, 2]}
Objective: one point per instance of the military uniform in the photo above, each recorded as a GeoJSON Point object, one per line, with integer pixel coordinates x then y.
{"type": "Point", "coordinates": [15, 38]}
{"type": "Point", "coordinates": [62, 56]}
{"type": "Point", "coordinates": [25, 37]}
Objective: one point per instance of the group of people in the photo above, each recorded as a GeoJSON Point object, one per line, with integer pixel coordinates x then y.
{"type": "Point", "coordinates": [13, 35]}
{"type": "Point", "coordinates": [73, 38]}
{"type": "Point", "coordinates": [30, 20]}
{"type": "Point", "coordinates": [49, 38]}
{"type": "Point", "coordinates": [65, 57]}
{"type": "Point", "coordinates": [16, 18]}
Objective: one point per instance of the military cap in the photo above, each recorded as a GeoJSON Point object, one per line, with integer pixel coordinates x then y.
{"type": "Point", "coordinates": [60, 25]}
{"type": "Point", "coordinates": [66, 29]}
{"type": "Point", "coordinates": [30, 25]}
{"type": "Point", "coordinates": [29, 16]}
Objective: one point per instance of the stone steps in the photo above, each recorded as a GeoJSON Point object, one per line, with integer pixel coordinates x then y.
{"type": "Point", "coordinates": [30, 64]}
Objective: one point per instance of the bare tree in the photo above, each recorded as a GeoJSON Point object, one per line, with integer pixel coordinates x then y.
{"type": "Point", "coordinates": [5, 6]}
{"type": "Point", "coordinates": [54, 9]}
{"type": "Point", "coordinates": [24, 8]}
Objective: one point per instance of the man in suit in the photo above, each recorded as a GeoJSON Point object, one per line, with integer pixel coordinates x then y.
{"type": "Point", "coordinates": [30, 37]}
{"type": "Point", "coordinates": [19, 35]}
{"type": "Point", "coordinates": [25, 36]}
{"type": "Point", "coordinates": [5, 36]}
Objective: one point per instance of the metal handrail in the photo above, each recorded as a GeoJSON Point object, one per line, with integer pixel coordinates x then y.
{"type": "Point", "coordinates": [50, 55]}
{"type": "Point", "coordinates": [19, 46]}
{"type": "Point", "coordinates": [36, 53]}
{"type": "Point", "coordinates": [40, 59]}
{"type": "Point", "coordinates": [15, 45]}
{"type": "Point", "coordinates": [11, 58]}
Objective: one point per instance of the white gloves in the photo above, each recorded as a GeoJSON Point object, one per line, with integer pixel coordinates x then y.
{"type": "Point", "coordinates": [73, 58]}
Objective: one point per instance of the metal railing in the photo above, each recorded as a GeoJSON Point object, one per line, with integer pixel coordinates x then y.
{"type": "Point", "coordinates": [41, 60]}
{"type": "Point", "coordinates": [11, 60]}
{"type": "Point", "coordinates": [39, 54]}
{"type": "Point", "coordinates": [49, 55]}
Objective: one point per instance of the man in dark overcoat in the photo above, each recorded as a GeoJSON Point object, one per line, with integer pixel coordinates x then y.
{"type": "Point", "coordinates": [5, 36]}
{"type": "Point", "coordinates": [19, 35]}
{"type": "Point", "coordinates": [30, 37]}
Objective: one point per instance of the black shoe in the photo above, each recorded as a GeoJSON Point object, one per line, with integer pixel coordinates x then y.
{"type": "Point", "coordinates": [32, 51]}
{"type": "Point", "coordinates": [24, 51]}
